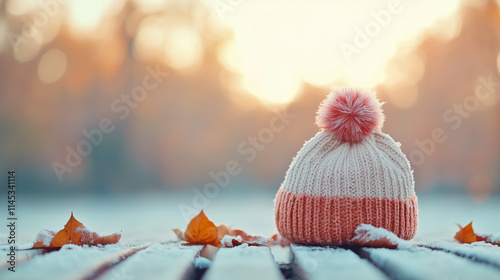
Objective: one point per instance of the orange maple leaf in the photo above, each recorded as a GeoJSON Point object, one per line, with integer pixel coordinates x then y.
{"type": "Point", "coordinates": [74, 232]}
{"type": "Point", "coordinates": [179, 234]}
{"type": "Point", "coordinates": [233, 241]}
{"type": "Point", "coordinates": [277, 239]}
{"type": "Point", "coordinates": [252, 240]}
{"type": "Point", "coordinates": [43, 239]}
{"type": "Point", "coordinates": [223, 230]}
{"type": "Point", "coordinates": [201, 230]}
{"type": "Point", "coordinates": [467, 235]}
{"type": "Point", "coordinates": [365, 240]}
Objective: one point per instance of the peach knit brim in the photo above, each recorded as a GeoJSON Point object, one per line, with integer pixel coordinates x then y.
{"type": "Point", "coordinates": [333, 220]}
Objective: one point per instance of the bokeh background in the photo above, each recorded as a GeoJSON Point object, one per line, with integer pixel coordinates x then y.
{"type": "Point", "coordinates": [233, 66]}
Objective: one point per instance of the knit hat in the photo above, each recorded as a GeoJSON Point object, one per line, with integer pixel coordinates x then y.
{"type": "Point", "coordinates": [349, 173]}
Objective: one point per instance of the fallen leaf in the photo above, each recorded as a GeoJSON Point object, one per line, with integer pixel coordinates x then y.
{"type": "Point", "coordinates": [364, 240]}
{"type": "Point", "coordinates": [73, 232]}
{"type": "Point", "coordinates": [229, 241]}
{"type": "Point", "coordinates": [179, 234]}
{"type": "Point", "coordinates": [92, 238]}
{"type": "Point", "coordinates": [482, 238]}
{"type": "Point", "coordinates": [201, 230]}
{"type": "Point", "coordinates": [249, 238]}
{"type": "Point", "coordinates": [467, 235]}
{"type": "Point", "coordinates": [223, 230]}
{"type": "Point", "coordinates": [277, 239]}
{"type": "Point", "coordinates": [495, 241]}
{"type": "Point", "coordinates": [252, 240]}
{"type": "Point", "coordinates": [69, 234]}
{"type": "Point", "coordinates": [43, 238]}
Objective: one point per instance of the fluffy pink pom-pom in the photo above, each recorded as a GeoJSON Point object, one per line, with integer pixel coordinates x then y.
{"type": "Point", "coordinates": [350, 113]}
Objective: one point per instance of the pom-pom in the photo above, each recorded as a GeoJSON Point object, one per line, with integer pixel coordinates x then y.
{"type": "Point", "coordinates": [350, 114]}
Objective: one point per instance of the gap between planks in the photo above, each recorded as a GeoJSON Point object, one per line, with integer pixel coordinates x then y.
{"type": "Point", "coordinates": [113, 261]}
{"type": "Point", "coordinates": [424, 263]}
{"type": "Point", "coordinates": [472, 257]}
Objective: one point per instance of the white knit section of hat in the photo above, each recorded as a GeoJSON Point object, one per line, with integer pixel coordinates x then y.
{"type": "Point", "coordinates": [375, 167]}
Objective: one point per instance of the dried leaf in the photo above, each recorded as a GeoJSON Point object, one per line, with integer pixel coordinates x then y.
{"type": "Point", "coordinates": [223, 230]}
{"type": "Point", "coordinates": [241, 237]}
{"type": "Point", "coordinates": [489, 239]}
{"type": "Point", "coordinates": [92, 238]}
{"type": "Point", "coordinates": [467, 235]}
{"type": "Point", "coordinates": [201, 230]}
{"type": "Point", "coordinates": [277, 239]}
{"type": "Point", "coordinates": [73, 232]}
{"type": "Point", "coordinates": [232, 241]}
{"type": "Point", "coordinates": [365, 240]}
{"type": "Point", "coordinates": [229, 241]}
{"type": "Point", "coordinates": [179, 234]}
{"type": "Point", "coordinates": [43, 238]}
{"type": "Point", "coordinates": [483, 238]}
{"type": "Point", "coordinates": [69, 234]}
{"type": "Point", "coordinates": [248, 238]}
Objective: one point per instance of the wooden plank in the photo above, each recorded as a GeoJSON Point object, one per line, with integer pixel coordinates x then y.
{"type": "Point", "coordinates": [318, 263]}
{"type": "Point", "coordinates": [71, 262]}
{"type": "Point", "coordinates": [169, 261]}
{"type": "Point", "coordinates": [21, 256]}
{"type": "Point", "coordinates": [243, 263]}
{"type": "Point", "coordinates": [479, 252]}
{"type": "Point", "coordinates": [111, 262]}
{"type": "Point", "coordinates": [423, 263]}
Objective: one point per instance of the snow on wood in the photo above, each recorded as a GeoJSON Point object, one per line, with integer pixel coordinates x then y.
{"type": "Point", "coordinates": [21, 256]}
{"type": "Point", "coordinates": [243, 262]}
{"type": "Point", "coordinates": [423, 263]}
{"type": "Point", "coordinates": [158, 261]}
{"type": "Point", "coordinates": [478, 251]}
{"type": "Point", "coordinates": [70, 262]}
{"type": "Point", "coordinates": [111, 262]}
{"type": "Point", "coordinates": [366, 234]}
{"type": "Point", "coordinates": [319, 263]}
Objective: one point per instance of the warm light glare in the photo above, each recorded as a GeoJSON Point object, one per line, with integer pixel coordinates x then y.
{"type": "Point", "coordinates": [309, 38]}
{"type": "Point", "coordinates": [20, 7]}
{"type": "Point", "coordinates": [281, 85]}
{"type": "Point", "coordinates": [179, 45]}
{"type": "Point", "coordinates": [85, 15]}
{"type": "Point", "coordinates": [323, 78]}
{"type": "Point", "coordinates": [149, 6]}
{"type": "Point", "coordinates": [149, 41]}
{"type": "Point", "coordinates": [51, 30]}
{"type": "Point", "coordinates": [228, 56]}
{"type": "Point", "coordinates": [447, 28]}
{"type": "Point", "coordinates": [403, 97]}
{"type": "Point", "coordinates": [26, 49]}
{"type": "Point", "coordinates": [183, 47]}
{"type": "Point", "coordinates": [52, 66]}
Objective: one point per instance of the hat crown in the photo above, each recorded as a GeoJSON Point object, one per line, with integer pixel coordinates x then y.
{"type": "Point", "coordinates": [329, 167]}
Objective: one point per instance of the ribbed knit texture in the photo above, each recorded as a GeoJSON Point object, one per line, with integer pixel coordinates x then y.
{"type": "Point", "coordinates": [333, 186]}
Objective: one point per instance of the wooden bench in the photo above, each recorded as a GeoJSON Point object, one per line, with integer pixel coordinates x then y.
{"type": "Point", "coordinates": [438, 260]}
